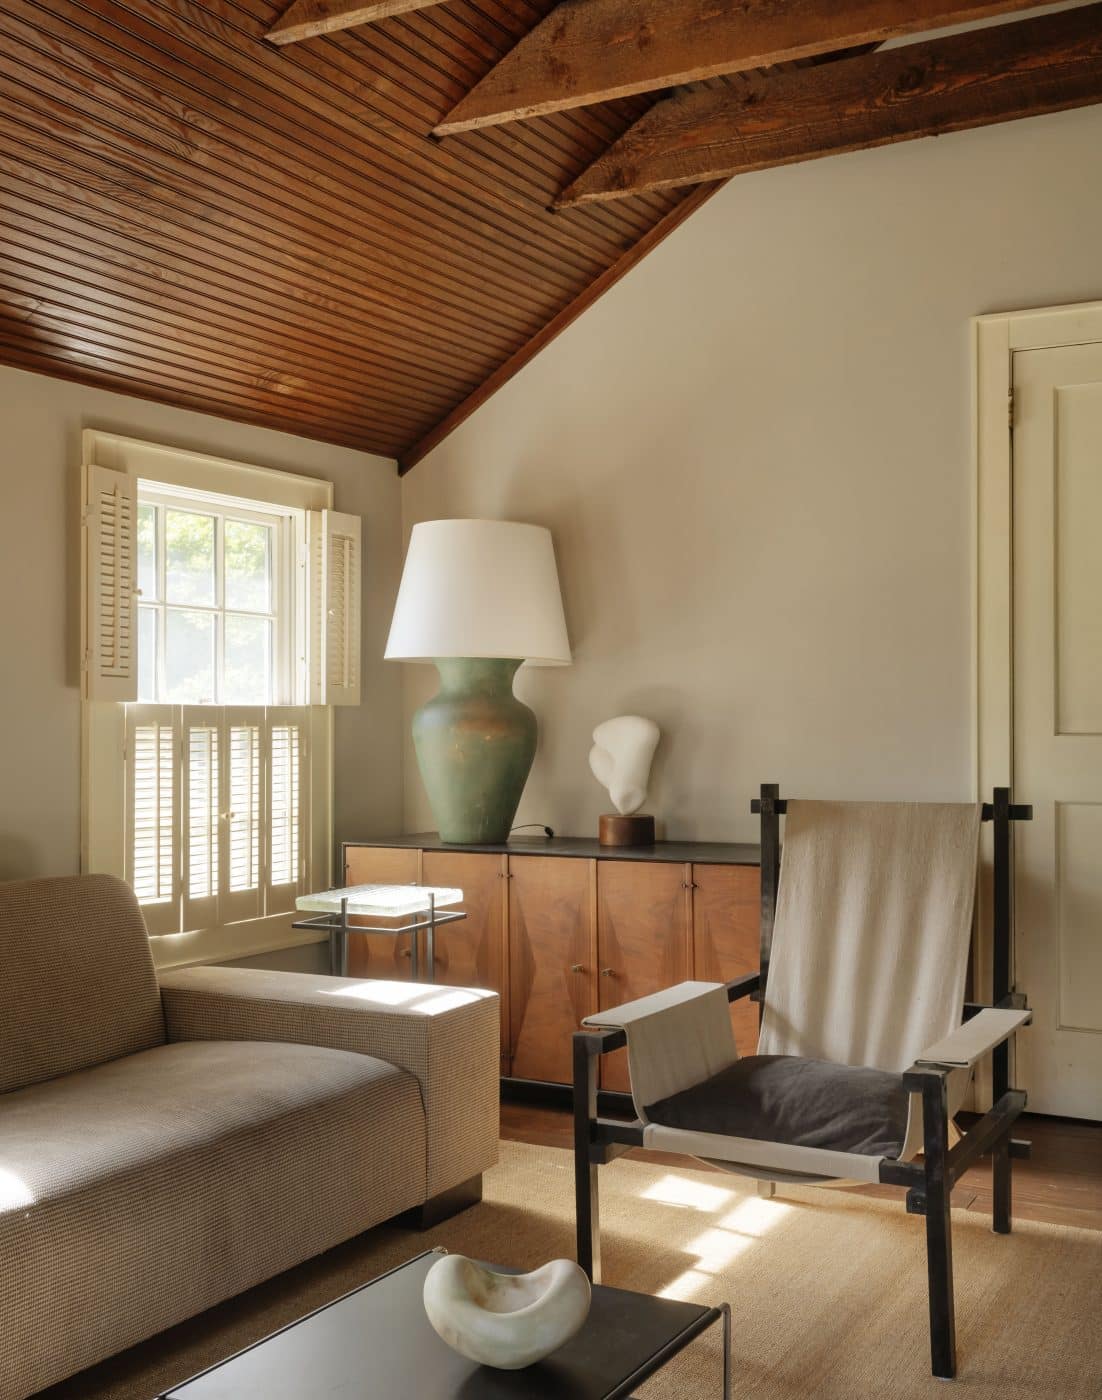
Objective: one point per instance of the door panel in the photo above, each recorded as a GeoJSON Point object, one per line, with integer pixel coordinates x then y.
{"type": "Point", "coordinates": [470, 953]}
{"type": "Point", "coordinates": [726, 918]}
{"type": "Point", "coordinates": [552, 961]}
{"type": "Point", "coordinates": [1057, 604]}
{"type": "Point", "coordinates": [642, 938]}
{"type": "Point", "coordinates": [376, 955]}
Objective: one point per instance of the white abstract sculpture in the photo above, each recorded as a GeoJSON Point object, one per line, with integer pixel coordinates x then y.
{"type": "Point", "coordinates": [621, 757]}
{"type": "Point", "coordinates": [505, 1320]}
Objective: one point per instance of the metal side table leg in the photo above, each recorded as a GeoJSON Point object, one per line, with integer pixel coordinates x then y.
{"type": "Point", "coordinates": [726, 1310]}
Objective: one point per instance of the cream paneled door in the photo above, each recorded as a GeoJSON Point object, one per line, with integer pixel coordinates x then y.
{"type": "Point", "coordinates": [1058, 722]}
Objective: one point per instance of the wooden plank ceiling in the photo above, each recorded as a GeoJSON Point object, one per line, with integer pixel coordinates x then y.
{"type": "Point", "coordinates": [267, 228]}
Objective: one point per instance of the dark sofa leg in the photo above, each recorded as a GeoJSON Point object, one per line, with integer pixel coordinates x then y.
{"type": "Point", "coordinates": [1000, 1188]}
{"type": "Point", "coordinates": [939, 1238]}
{"type": "Point", "coordinates": [437, 1209]}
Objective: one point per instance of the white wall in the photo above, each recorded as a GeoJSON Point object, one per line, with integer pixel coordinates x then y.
{"type": "Point", "coordinates": [40, 424]}
{"type": "Point", "coordinates": [755, 457]}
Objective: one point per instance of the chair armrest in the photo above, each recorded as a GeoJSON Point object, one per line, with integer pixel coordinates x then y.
{"type": "Point", "coordinates": [975, 1038]}
{"type": "Point", "coordinates": [447, 1037]}
{"type": "Point", "coordinates": [668, 999]}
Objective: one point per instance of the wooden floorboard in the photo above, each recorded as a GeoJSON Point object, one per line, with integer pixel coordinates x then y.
{"type": "Point", "coordinates": [1060, 1184]}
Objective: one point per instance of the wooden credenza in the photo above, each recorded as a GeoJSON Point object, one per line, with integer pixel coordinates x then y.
{"type": "Point", "coordinates": [562, 927]}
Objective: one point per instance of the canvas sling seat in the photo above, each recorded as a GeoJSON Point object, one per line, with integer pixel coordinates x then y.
{"type": "Point", "coordinates": [863, 1053]}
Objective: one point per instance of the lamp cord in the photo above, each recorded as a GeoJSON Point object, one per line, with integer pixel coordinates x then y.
{"type": "Point", "coordinates": [529, 826]}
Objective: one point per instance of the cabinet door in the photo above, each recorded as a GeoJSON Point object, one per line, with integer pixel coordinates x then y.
{"type": "Point", "coordinates": [643, 944]}
{"type": "Point", "coordinates": [552, 956]}
{"type": "Point", "coordinates": [726, 915]}
{"type": "Point", "coordinates": [470, 953]}
{"type": "Point", "coordinates": [378, 955]}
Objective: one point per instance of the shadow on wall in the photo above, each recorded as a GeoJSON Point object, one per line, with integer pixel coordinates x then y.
{"type": "Point", "coordinates": [17, 858]}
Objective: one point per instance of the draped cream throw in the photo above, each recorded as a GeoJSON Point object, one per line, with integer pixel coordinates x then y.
{"type": "Point", "coordinates": [874, 919]}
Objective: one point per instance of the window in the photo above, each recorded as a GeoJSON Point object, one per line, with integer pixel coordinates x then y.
{"type": "Point", "coordinates": [215, 603]}
{"type": "Point", "coordinates": [220, 621]}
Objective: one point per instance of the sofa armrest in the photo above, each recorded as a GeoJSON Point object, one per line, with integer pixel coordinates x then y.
{"type": "Point", "coordinates": [446, 1036]}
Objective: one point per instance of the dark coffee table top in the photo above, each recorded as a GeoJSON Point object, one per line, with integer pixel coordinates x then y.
{"type": "Point", "coordinates": [376, 1343]}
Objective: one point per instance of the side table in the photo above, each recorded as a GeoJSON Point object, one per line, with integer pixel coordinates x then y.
{"type": "Point", "coordinates": [399, 904]}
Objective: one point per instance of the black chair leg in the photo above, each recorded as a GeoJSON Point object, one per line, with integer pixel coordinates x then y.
{"type": "Point", "coordinates": [939, 1236]}
{"type": "Point", "coordinates": [586, 1197]}
{"type": "Point", "coordinates": [1001, 1188]}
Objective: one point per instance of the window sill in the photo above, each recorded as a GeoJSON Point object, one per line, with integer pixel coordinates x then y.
{"type": "Point", "coordinates": [227, 944]}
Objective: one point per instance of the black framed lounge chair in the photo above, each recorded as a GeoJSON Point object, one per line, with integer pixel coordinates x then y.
{"type": "Point", "coordinates": [866, 1044]}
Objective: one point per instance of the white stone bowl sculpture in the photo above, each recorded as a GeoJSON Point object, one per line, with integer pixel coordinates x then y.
{"type": "Point", "coordinates": [505, 1320]}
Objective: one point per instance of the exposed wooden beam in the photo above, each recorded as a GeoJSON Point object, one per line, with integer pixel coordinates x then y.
{"type": "Point", "coordinates": [589, 51]}
{"type": "Point", "coordinates": [308, 18]}
{"type": "Point", "coordinates": [965, 80]}
{"type": "Point", "coordinates": [411, 455]}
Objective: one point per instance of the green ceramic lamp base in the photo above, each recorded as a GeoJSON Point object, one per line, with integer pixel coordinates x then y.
{"type": "Point", "coordinates": [475, 742]}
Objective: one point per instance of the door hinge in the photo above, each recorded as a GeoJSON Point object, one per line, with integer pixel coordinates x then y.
{"type": "Point", "coordinates": [1010, 409]}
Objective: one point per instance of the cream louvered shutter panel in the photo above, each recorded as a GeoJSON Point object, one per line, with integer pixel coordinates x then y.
{"type": "Point", "coordinates": [201, 805]}
{"type": "Point", "coordinates": [288, 791]}
{"type": "Point", "coordinates": [335, 569]}
{"type": "Point", "coordinates": [243, 815]}
{"type": "Point", "coordinates": [152, 814]}
{"type": "Point", "coordinates": [110, 662]}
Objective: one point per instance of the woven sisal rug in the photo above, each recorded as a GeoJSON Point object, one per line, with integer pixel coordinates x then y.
{"type": "Point", "coordinates": [827, 1288]}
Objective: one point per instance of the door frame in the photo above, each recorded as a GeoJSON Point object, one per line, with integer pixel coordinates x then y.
{"type": "Point", "coordinates": [995, 340]}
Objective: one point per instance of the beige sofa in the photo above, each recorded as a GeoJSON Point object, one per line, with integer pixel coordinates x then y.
{"type": "Point", "coordinates": [163, 1147]}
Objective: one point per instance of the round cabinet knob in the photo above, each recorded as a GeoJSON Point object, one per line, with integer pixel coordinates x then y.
{"type": "Point", "coordinates": [577, 967]}
{"type": "Point", "coordinates": [608, 972]}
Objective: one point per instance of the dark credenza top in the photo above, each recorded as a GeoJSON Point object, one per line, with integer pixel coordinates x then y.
{"type": "Point", "coordinates": [681, 852]}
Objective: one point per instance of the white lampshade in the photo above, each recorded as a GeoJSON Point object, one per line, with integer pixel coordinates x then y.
{"type": "Point", "coordinates": [479, 588]}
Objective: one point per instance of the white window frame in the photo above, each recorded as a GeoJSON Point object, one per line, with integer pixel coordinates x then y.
{"type": "Point", "coordinates": [104, 772]}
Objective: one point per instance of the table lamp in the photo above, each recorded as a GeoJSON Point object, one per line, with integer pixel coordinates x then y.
{"type": "Point", "coordinates": [479, 598]}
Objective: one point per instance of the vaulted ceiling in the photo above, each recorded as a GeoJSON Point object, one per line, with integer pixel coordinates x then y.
{"type": "Point", "coordinates": [357, 235]}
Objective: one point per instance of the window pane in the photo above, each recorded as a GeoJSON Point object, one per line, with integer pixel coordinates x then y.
{"type": "Point", "coordinates": [189, 557]}
{"type": "Point", "coordinates": [189, 658]}
{"type": "Point", "coordinates": [147, 654]}
{"type": "Point", "coordinates": [147, 551]}
{"type": "Point", "coordinates": [247, 670]}
{"type": "Point", "coordinates": [248, 556]}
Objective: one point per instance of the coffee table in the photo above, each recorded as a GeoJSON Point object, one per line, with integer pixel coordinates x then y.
{"type": "Point", "coordinates": [376, 1343]}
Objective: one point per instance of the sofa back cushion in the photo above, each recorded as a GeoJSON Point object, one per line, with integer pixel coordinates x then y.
{"type": "Point", "coordinates": [77, 985]}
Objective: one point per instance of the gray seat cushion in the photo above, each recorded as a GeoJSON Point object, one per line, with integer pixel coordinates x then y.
{"type": "Point", "coordinates": [806, 1103]}
{"type": "Point", "coordinates": [139, 1192]}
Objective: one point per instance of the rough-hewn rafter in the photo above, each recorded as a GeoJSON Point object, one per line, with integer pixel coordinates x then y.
{"type": "Point", "coordinates": [965, 80]}
{"type": "Point", "coordinates": [307, 18]}
{"type": "Point", "coordinates": [589, 51]}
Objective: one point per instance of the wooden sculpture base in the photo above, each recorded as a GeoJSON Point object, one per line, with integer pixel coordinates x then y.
{"type": "Point", "coordinates": [636, 830]}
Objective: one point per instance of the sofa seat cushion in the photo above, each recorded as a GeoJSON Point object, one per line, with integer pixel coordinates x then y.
{"type": "Point", "coordinates": [139, 1192]}
{"type": "Point", "coordinates": [805, 1103]}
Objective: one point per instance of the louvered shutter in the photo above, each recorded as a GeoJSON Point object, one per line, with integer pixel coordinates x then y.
{"type": "Point", "coordinates": [335, 577]}
{"type": "Point", "coordinates": [243, 815]}
{"type": "Point", "coordinates": [202, 810]}
{"type": "Point", "coordinates": [152, 806]}
{"type": "Point", "coordinates": [288, 791]}
{"type": "Point", "coordinates": [110, 663]}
